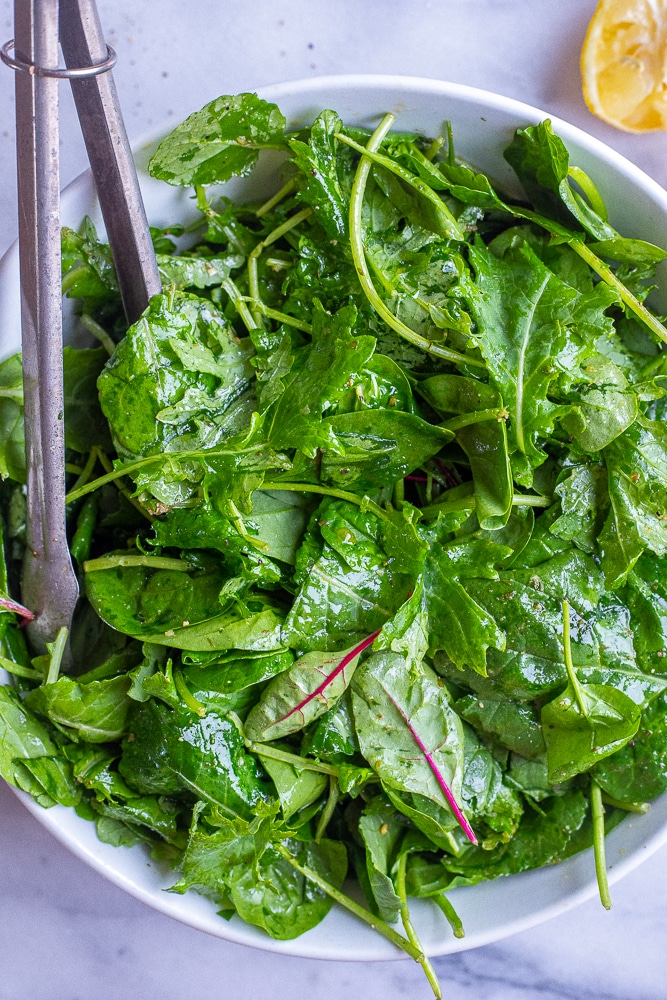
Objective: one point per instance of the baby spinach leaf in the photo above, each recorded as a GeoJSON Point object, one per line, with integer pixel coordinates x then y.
{"type": "Point", "coordinates": [297, 788]}
{"type": "Point", "coordinates": [458, 624]}
{"type": "Point", "coordinates": [274, 895]}
{"type": "Point", "coordinates": [407, 631]}
{"type": "Point", "coordinates": [637, 470]}
{"type": "Point", "coordinates": [513, 724]}
{"type": "Point", "coordinates": [22, 736]}
{"type": "Point", "coordinates": [179, 381]}
{"type": "Point", "coordinates": [378, 447]}
{"type": "Point", "coordinates": [85, 426]}
{"type": "Point", "coordinates": [487, 797]}
{"type": "Point", "coordinates": [95, 712]}
{"type": "Point", "coordinates": [586, 722]}
{"type": "Point", "coordinates": [484, 440]}
{"type": "Point", "coordinates": [219, 142]}
{"type": "Point", "coordinates": [541, 161]}
{"type": "Point", "coordinates": [381, 831]}
{"type": "Point", "coordinates": [181, 609]}
{"type": "Point", "coordinates": [604, 409]}
{"type": "Point", "coordinates": [638, 771]}
{"type": "Point", "coordinates": [175, 752]}
{"type": "Point", "coordinates": [541, 839]}
{"type": "Point", "coordinates": [240, 673]}
{"type": "Point", "coordinates": [584, 501]}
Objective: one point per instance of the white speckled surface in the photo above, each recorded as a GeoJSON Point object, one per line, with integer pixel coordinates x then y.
{"type": "Point", "coordinates": [67, 934]}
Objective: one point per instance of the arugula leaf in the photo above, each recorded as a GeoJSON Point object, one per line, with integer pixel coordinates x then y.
{"type": "Point", "coordinates": [321, 184]}
{"type": "Point", "coordinates": [321, 373]}
{"type": "Point", "coordinates": [220, 141]}
{"type": "Point", "coordinates": [541, 161]}
{"type": "Point", "coordinates": [522, 311]}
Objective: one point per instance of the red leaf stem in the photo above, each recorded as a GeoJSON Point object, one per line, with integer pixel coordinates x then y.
{"type": "Point", "coordinates": [7, 604]}
{"type": "Point", "coordinates": [449, 795]}
{"type": "Point", "coordinates": [334, 673]}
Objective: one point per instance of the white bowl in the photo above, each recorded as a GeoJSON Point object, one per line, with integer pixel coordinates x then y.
{"type": "Point", "coordinates": [483, 125]}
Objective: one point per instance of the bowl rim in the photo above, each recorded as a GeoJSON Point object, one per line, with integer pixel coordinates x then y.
{"type": "Point", "coordinates": [311, 945]}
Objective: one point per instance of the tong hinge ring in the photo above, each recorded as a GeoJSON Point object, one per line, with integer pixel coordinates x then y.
{"type": "Point", "coordinates": [60, 72]}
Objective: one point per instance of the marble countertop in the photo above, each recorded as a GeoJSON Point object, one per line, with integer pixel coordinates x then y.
{"type": "Point", "coordinates": [66, 933]}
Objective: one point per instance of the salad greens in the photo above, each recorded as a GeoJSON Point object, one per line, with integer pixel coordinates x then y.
{"type": "Point", "coordinates": [370, 514]}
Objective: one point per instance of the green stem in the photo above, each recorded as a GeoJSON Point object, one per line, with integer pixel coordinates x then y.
{"type": "Point", "coordinates": [256, 252]}
{"type": "Point", "coordinates": [277, 197]}
{"type": "Point", "coordinates": [98, 332]}
{"type": "Point", "coordinates": [597, 811]}
{"type": "Point", "coordinates": [607, 275]}
{"type": "Point", "coordinates": [330, 491]}
{"type": "Point", "coordinates": [466, 419]}
{"type": "Point", "coordinates": [590, 190]}
{"type": "Point", "coordinates": [20, 671]}
{"type": "Point", "coordinates": [375, 922]}
{"type": "Point", "coordinates": [328, 811]}
{"type": "Point", "coordinates": [238, 301]}
{"type": "Point", "coordinates": [125, 561]}
{"type": "Point", "coordinates": [186, 695]}
{"type": "Point", "coordinates": [300, 763]}
{"type": "Point", "coordinates": [452, 917]}
{"type": "Point", "coordinates": [450, 225]}
{"type": "Point", "coordinates": [57, 652]}
{"type": "Point", "coordinates": [359, 255]}
{"type": "Point", "coordinates": [410, 930]}
{"type": "Point", "coordinates": [126, 469]}
{"type": "Point", "coordinates": [87, 470]}
{"type": "Point", "coordinates": [281, 317]}
{"type": "Point", "coordinates": [468, 503]}
{"type": "Point", "coordinates": [634, 807]}
{"type": "Point", "coordinates": [106, 464]}
{"type": "Point", "coordinates": [569, 666]}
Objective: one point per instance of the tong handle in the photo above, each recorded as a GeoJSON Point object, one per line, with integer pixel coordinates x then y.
{"type": "Point", "coordinates": [82, 42]}
{"type": "Point", "coordinates": [49, 584]}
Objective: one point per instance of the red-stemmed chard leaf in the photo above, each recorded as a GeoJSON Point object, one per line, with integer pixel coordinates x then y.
{"type": "Point", "coordinates": [447, 792]}
{"type": "Point", "coordinates": [301, 694]}
{"type": "Point", "coordinates": [7, 604]}
{"type": "Point", "coordinates": [397, 711]}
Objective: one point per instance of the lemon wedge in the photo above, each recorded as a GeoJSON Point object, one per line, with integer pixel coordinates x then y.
{"type": "Point", "coordinates": [624, 64]}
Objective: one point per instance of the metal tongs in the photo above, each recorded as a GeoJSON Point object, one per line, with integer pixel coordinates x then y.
{"type": "Point", "coordinates": [49, 585]}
